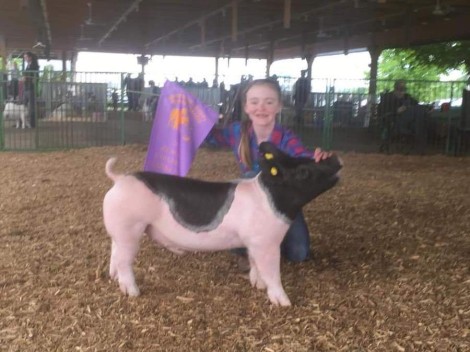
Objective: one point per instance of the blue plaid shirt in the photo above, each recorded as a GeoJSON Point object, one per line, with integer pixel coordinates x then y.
{"type": "Point", "coordinates": [282, 137]}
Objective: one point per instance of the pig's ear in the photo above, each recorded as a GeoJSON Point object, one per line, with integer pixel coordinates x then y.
{"type": "Point", "coordinates": [268, 148]}
{"type": "Point", "coordinates": [271, 163]}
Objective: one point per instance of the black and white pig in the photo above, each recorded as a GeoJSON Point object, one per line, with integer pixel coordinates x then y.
{"type": "Point", "coordinates": [184, 214]}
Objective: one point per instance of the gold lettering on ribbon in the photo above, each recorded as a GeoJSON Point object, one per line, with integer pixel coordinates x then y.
{"type": "Point", "coordinates": [178, 117]}
{"type": "Point", "coordinates": [166, 157]}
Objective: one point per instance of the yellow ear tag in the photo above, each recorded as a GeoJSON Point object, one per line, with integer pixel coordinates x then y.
{"type": "Point", "coordinates": [268, 156]}
{"type": "Point", "coordinates": [273, 171]}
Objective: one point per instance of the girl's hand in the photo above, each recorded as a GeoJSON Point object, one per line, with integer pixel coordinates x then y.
{"type": "Point", "coordinates": [319, 155]}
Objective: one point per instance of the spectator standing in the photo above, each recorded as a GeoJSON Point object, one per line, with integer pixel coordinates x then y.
{"type": "Point", "coordinates": [115, 98]}
{"type": "Point", "coordinates": [13, 86]}
{"type": "Point", "coordinates": [302, 89]}
{"type": "Point", "coordinates": [127, 84]}
{"type": "Point", "coordinates": [138, 87]}
{"type": "Point", "coordinates": [152, 101]}
{"type": "Point", "coordinates": [30, 76]}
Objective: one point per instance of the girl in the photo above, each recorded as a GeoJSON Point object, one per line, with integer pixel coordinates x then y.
{"type": "Point", "coordinates": [261, 103]}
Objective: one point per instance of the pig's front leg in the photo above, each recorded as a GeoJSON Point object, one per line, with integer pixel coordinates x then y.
{"type": "Point", "coordinates": [267, 262]}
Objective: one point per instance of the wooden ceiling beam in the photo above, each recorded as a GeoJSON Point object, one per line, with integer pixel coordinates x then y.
{"type": "Point", "coordinates": [133, 7]}
{"type": "Point", "coordinates": [297, 16]}
{"type": "Point", "coordinates": [192, 23]}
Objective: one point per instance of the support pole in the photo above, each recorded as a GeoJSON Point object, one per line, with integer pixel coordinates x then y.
{"type": "Point", "coordinates": [287, 13]}
{"type": "Point", "coordinates": [269, 59]}
{"type": "Point", "coordinates": [234, 21]}
{"type": "Point", "coordinates": [216, 78]}
{"type": "Point", "coordinates": [374, 52]}
{"type": "Point", "coordinates": [203, 33]}
{"type": "Point", "coordinates": [309, 59]}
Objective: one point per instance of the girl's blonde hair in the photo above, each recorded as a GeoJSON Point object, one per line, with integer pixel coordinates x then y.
{"type": "Point", "coordinates": [244, 146]}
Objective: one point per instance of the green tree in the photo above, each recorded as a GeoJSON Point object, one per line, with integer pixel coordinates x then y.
{"type": "Point", "coordinates": [397, 64]}
{"type": "Point", "coordinates": [422, 67]}
{"type": "Point", "coordinates": [445, 56]}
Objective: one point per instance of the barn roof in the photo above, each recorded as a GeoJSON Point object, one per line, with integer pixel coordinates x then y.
{"type": "Point", "coordinates": [271, 29]}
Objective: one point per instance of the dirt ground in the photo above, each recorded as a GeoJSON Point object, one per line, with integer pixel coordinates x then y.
{"type": "Point", "coordinates": [390, 270]}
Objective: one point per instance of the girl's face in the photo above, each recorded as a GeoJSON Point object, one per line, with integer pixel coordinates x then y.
{"type": "Point", "coordinates": [262, 105]}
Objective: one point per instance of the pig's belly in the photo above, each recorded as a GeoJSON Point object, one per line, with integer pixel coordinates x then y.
{"type": "Point", "coordinates": [170, 233]}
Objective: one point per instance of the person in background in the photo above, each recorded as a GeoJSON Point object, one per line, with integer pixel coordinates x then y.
{"type": "Point", "coordinates": [403, 115]}
{"type": "Point", "coordinates": [138, 87]}
{"type": "Point", "coordinates": [204, 84]}
{"type": "Point", "coordinates": [261, 102]}
{"type": "Point", "coordinates": [152, 101]}
{"type": "Point", "coordinates": [115, 98]}
{"type": "Point", "coordinates": [397, 101]}
{"type": "Point", "coordinates": [14, 77]}
{"type": "Point", "coordinates": [302, 89]}
{"type": "Point", "coordinates": [128, 85]}
{"type": "Point", "coordinates": [30, 77]}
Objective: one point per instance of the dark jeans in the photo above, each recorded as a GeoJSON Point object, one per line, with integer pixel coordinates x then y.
{"type": "Point", "coordinates": [413, 121]}
{"type": "Point", "coordinates": [29, 98]}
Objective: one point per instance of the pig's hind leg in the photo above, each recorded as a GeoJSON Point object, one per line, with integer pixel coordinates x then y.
{"type": "Point", "coordinates": [124, 248]}
{"type": "Point", "coordinates": [255, 278]}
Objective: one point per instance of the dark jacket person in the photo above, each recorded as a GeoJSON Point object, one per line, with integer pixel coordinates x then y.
{"type": "Point", "coordinates": [30, 76]}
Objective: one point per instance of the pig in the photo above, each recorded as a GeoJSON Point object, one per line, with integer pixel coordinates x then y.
{"type": "Point", "coordinates": [147, 111]}
{"type": "Point", "coordinates": [185, 214]}
{"type": "Point", "coordinates": [17, 112]}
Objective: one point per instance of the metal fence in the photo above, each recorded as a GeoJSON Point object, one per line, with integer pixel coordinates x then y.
{"type": "Point", "coordinates": [427, 118]}
{"type": "Point", "coordinates": [78, 109]}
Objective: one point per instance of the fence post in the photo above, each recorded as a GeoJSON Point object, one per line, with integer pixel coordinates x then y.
{"type": "Point", "coordinates": [449, 123]}
{"type": "Point", "coordinates": [121, 114]}
{"type": "Point", "coordinates": [33, 104]}
{"type": "Point", "coordinates": [327, 124]}
{"type": "Point", "coordinates": [2, 135]}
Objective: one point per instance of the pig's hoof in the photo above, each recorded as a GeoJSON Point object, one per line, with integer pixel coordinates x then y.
{"type": "Point", "coordinates": [113, 274]}
{"type": "Point", "coordinates": [279, 299]}
{"type": "Point", "coordinates": [131, 291]}
{"type": "Point", "coordinates": [256, 280]}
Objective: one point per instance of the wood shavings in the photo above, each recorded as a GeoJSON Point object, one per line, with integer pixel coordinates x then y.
{"type": "Point", "coordinates": [390, 267]}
